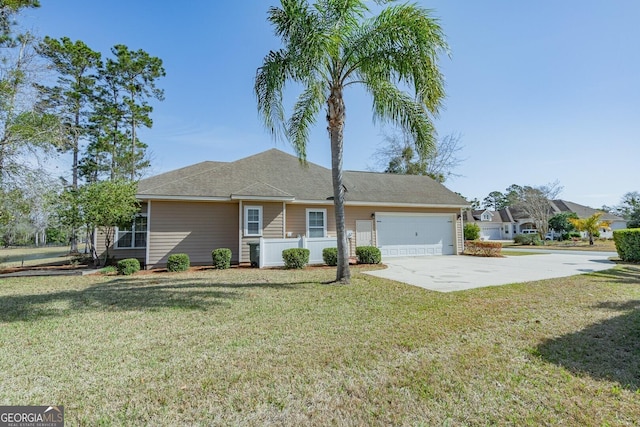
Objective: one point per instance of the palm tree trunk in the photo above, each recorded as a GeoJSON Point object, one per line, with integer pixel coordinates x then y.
{"type": "Point", "coordinates": [335, 119]}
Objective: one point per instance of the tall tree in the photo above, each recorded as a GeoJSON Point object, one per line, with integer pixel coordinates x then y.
{"type": "Point", "coordinates": [398, 155]}
{"type": "Point", "coordinates": [629, 209]}
{"type": "Point", "coordinates": [330, 45]}
{"type": "Point", "coordinates": [136, 72]}
{"type": "Point", "coordinates": [8, 10]}
{"type": "Point", "coordinates": [534, 201]}
{"type": "Point", "coordinates": [75, 64]}
{"type": "Point", "coordinates": [495, 200]}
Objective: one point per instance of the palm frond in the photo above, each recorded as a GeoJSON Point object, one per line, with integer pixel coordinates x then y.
{"type": "Point", "coordinates": [270, 82]}
{"type": "Point", "coordinates": [402, 44]}
{"type": "Point", "coordinates": [304, 115]}
{"type": "Point", "coordinates": [392, 104]}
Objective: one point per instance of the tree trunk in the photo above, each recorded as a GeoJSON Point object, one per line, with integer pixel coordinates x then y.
{"type": "Point", "coordinates": [335, 119]}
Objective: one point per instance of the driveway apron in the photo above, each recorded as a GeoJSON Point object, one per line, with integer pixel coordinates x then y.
{"type": "Point", "coordinates": [458, 273]}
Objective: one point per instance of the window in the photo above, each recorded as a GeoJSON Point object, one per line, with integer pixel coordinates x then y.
{"type": "Point", "coordinates": [253, 220]}
{"type": "Point", "coordinates": [133, 236]}
{"type": "Point", "coordinates": [316, 222]}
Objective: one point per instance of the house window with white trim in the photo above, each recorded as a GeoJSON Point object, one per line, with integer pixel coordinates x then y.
{"type": "Point", "coordinates": [316, 222]}
{"type": "Point", "coordinates": [133, 236]}
{"type": "Point", "coordinates": [253, 220]}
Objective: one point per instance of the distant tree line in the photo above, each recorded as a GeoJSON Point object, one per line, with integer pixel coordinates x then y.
{"type": "Point", "coordinates": [90, 106]}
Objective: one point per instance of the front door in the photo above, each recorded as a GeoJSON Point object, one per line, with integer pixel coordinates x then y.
{"type": "Point", "coordinates": [364, 233]}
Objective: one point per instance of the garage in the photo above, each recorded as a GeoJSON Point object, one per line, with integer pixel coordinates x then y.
{"type": "Point", "coordinates": [415, 234]}
{"type": "Point", "coordinates": [490, 232]}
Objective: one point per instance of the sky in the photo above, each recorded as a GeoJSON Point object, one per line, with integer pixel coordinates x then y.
{"type": "Point", "coordinates": [539, 91]}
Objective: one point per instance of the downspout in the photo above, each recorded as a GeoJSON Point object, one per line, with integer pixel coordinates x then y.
{"type": "Point", "coordinates": [146, 251]}
{"type": "Point", "coordinates": [284, 220]}
{"type": "Point", "coordinates": [240, 228]}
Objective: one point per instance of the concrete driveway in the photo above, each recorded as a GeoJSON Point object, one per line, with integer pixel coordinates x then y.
{"type": "Point", "coordinates": [458, 273]}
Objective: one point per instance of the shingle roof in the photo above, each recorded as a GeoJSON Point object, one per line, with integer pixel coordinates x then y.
{"type": "Point", "coordinates": [274, 173]}
{"type": "Point", "coordinates": [583, 211]}
{"type": "Point", "coordinates": [512, 214]}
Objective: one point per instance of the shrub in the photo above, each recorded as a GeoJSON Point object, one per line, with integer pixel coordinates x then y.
{"type": "Point", "coordinates": [368, 255]}
{"type": "Point", "coordinates": [178, 262]}
{"type": "Point", "coordinates": [295, 257]}
{"type": "Point", "coordinates": [471, 231]}
{"type": "Point", "coordinates": [479, 248]}
{"type": "Point", "coordinates": [528, 239]}
{"type": "Point", "coordinates": [128, 266]}
{"type": "Point", "coordinates": [628, 244]}
{"type": "Point", "coordinates": [330, 256]}
{"type": "Point", "coordinates": [221, 258]}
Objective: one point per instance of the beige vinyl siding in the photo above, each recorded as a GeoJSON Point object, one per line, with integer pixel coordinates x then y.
{"type": "Point", "coordinates": [194, 228]}
{"type": "Point", "coordinates": [272, 224]}
{"type": "Point", "coordinates": [297, 219]}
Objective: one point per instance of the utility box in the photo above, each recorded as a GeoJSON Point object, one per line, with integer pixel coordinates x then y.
{"type": "Point", "coordinates": [254, 254]}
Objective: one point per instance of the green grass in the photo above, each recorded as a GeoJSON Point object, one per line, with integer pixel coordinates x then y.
{"type": "Point", "coordinates": [507, 252]}
{"type": "Point", "coordinates": [261, 347]}
{"type": "Point", "coordinates": [30, 256]}
{"type": "Point", "coordinates": [606, 245]}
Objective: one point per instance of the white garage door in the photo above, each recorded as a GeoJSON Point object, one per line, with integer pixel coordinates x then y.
{"type": "Point", "coordinates": [490, 232]}
{"type": "Point", "coordinates": [414, 235]}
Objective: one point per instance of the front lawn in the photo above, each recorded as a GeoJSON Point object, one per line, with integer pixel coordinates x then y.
{"type": "Point", "coordinates": [257, 347]}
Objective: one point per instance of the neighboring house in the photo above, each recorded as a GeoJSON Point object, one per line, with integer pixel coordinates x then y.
{"type": "Point", "coordinates": [494, 225]}
{"type": "Point", "coordinates": [506, 223]}
{"type": "Point", "coordinates": [272, 197]}
{"type": "Point", "coordinates": [615, 222]}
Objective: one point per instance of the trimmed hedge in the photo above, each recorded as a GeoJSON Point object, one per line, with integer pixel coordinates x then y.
{"type": "Point", "coordinates": [221, 258]}
{"type": "Point", "coordinates": [128, 266]}
{"type": "Point", "coordinates": [368, 255]}
{"type": "Point", "coordinates": [178, 262]}
{"type": "Point", "coordinates": [480, 248]}
{"type": "Point", "coordinates": [628, 244]}
{"type": "Point", "coordinates": [295, 257]}
{"type": "Point", "coordinates": [528, 239]}
{"type": "Point", "coordinates": [471, 231]}
{"type": "Point", "coordinates": [330, 256]}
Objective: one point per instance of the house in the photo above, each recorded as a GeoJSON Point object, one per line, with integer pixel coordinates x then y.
{"type": "Point", "coordinates": [271, 198]}
{"type": "Point", "coordinates": [494, 225]}
{"type": "Point", "coordinates": [504, 224]}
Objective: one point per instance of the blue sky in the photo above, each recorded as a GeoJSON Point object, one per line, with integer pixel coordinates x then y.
{"type": "Point", "coordinates": [540, 91]}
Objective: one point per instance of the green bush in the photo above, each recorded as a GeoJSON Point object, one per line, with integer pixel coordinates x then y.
{"type": "Point", "coordinates": [471, 231]}
{"type": "Point", "coordinates": [178, 262]}
{"type": "Point", "coordinates": [330, 256]}
{"type": "Point", "coordinates": [528, 239]}
{"type": "Point", "coordinates": [628, 244]}
{"type": "Point", "coordinates": [128, 266]}
{"type": "Point", "coordinates": [221, 258]}
{"type": "Point", "coordinates": [368, 255]}
{"type": "Point", "coordinates": [295, 257]}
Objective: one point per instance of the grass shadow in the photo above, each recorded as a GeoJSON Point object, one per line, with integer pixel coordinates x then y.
{"type": "Point", "coordinates": [626, 275]}
{"type": "Point", "coordinates": [608, 350]}
{"type": "Point", "coordinates": [125, 294]}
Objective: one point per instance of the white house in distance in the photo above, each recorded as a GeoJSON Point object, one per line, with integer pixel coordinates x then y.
{"type": "Point", "coordinates": [504, 224]}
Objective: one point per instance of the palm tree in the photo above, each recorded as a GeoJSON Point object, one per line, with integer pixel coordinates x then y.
{"type": "Point", "coordinates": [590, 225]}
{"type": "Point", "coordinates": [330, 45]}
